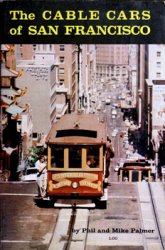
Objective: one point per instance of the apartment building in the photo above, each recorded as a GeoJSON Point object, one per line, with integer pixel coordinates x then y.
{"type": "Point", "coordinates": [40, 78]}
{"type": "Point", "coordinates": [112, 61]}
{"type": "Point", "coordinates": [156, 61]}
{"type": "Point", "coordinates": [151, 93]}
{"type": "Point", "coordinates": [62, 53]}
{"type": "Point", "coordinates": [76, 72]}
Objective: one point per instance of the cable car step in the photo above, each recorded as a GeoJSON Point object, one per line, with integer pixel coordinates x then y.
{"type": "Point", "coordinates": [60, 205]}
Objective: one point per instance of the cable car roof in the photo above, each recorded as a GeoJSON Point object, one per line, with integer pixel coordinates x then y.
{"type": "Point", "coordinates": [77, 129]}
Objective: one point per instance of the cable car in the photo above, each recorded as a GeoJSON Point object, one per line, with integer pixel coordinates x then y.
{"type": "Point", "coordinates": [76, 147]}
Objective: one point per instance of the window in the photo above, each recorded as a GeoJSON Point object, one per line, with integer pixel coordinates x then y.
{"type": "Point", "coordinates": [62, 47]}
{"type": "Point", "coordinates": [158, 53]}
{"type": "Point", "coordinates": [158, 74]}
{"type": "Point", "coordinates": [35, 136]}
{"type": "Point", "coordinates": [61, 71]}
{"type": "Point", "coordinates": [31, 171]}
{"type": "Point", "coordinates": [158, 64]}
{"type": "Point", "coordinates": [61, 59]}
{"type": "Point", "coordinates": [93, 156]}
{"type": "Point", "coordinates": [61, 81]}
{"type": "Point", "coordinates": [57, 157]}
{"type": "Point", "coordinates": [75, 155]}
{"type": "Point", "coordinates": [34, 47]}
{"type": "Point", "coordinates": [76, 132]}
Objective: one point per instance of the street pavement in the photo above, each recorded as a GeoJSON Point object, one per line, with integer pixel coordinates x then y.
{"type": "Point", "coordinates": [24, 225]}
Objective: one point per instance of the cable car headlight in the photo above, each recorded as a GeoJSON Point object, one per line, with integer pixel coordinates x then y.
{"type": "Point", "coordinates": [74, 184]}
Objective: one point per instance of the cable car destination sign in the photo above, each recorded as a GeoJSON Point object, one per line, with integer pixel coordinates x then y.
{"type": "Point", "coordinates": [87, 180]}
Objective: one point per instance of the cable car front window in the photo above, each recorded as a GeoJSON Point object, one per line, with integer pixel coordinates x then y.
{"type": "Point", "coordinates": [75, 155]}
{"type": "Point", "coordinates": [57, 157]}
{"type": "Point", "coordinates": [93, 156]}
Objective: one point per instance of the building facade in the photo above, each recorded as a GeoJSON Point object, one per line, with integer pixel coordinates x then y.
{"type": "Point", "coordinates": [76, 72]}
{"type": "Point", "coordinates": [156, 61]}
{"type": "Point", "coordinates": [40, 77]}
{"type": "Point", "coordinates": [12, 113]}
{"type": "Point", "coordinates": [112, 61]}
{"type": "Point", "coordinates": [151, 101]}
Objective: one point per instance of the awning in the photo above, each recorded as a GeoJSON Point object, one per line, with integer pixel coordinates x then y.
{"type": "Point", "coordinates": [6, 100]}
{"type": "Point", "coordinates": [9, 92]}
{"type": "Point", "coordinates": [5, 47]}
{"type": "Point", "coordinates": [61, 89]}
{"type": "Point", "coordinates": [61, 109]}
{"type": "Point", "coordinates": [6, 72]}
{"type": "Point", "coordinates": [14, 109]}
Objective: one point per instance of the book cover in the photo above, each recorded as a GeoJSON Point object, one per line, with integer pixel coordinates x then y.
{"type": "Point", "coordinates": [82, 125]}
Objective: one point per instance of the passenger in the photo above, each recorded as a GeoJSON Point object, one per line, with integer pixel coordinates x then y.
{"type": "Point", "coordinates": [53, 162]}
{"type": "Point", "coordinates": [91, 161]}
{"type": "Point", "coordinates": [109, 154]}
{"type": "Point", "coordinates": [42, 176]}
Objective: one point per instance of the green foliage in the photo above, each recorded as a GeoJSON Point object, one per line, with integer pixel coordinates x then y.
{"type": "Point", "coordinates": [34, 154]}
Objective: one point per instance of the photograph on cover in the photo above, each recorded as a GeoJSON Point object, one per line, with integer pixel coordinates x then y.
{"type": "Point", "coordinates": [82, 134]}
{"type": "Point", "coordinates": [82, 146]}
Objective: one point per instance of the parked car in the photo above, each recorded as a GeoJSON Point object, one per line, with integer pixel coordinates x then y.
{"type": "Point", "coordinates": [98, 107]}
{"type": "Point", "coordinates": [116, 168]}
{"type": "Point", "coordinates": [113, 116]}
{"type": "Point", "coordinates": [125, 139]}
{"type": "Point", "coordinates": [114, 132]}
{"type": "Point", "coordinates": [30, 174]}
{"type": "Point", "coordinates": [107, 101]}
{"type": "Point", "coordinates": [127, 123]}
{"type": "Point", "coordinates": [123, 133]}
{"type": "Point", "coordinates": [126, 145]}
{"type": "Point", "coordinates": [114, 111]}
{"type": "Point", "coordinates": [115, 104]}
